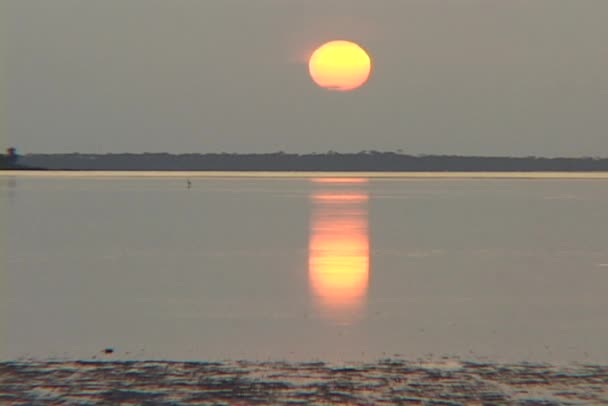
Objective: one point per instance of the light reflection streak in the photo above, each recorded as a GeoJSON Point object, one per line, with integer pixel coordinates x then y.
{"type": "Point", "coordinates": [339, 249]}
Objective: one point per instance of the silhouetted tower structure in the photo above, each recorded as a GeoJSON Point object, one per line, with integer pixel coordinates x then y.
{"type": "Point", "coordinates": [11, 156]}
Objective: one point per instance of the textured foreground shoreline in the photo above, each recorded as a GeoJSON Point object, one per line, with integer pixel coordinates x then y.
{"type": "Point", "coordinates": [388, 382]}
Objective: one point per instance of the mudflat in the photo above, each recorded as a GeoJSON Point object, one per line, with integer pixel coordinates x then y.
{"type": "Point", "coordinates": [385, 382]}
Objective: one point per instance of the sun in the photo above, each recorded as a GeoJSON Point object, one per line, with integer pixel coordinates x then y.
{"type": "Point", "coordinates": [340, 65]}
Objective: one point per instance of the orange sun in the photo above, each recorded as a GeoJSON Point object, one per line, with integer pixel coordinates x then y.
{"type": "Point", "coordinates": [340, 65]}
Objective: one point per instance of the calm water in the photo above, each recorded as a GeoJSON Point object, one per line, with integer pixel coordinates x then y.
{"type": "Point", "coordinates": [303, 268]}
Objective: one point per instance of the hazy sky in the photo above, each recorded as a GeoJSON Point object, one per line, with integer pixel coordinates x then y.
{"type": "Point", "coordinates": [500, 77]}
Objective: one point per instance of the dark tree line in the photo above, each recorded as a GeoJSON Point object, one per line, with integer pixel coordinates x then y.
{"type": "Point", "coordinates": [330, 161]}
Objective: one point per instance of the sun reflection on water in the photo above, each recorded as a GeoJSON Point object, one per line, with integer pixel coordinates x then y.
{"type": "Point", "coordinates": [339, 249]}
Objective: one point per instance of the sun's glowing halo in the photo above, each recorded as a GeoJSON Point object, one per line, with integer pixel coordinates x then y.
{"type": "Point", "coordinates": [340, 65]}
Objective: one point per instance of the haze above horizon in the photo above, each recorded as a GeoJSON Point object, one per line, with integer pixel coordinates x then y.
{"type": "Point", "coordinates": [473, 77]}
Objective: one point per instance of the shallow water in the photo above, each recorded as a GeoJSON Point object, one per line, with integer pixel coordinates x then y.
{"type": "Point", "coordinates": [335, 267]}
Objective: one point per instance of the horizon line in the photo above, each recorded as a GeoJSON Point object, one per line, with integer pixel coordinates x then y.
{"type": "Point", "coordinates": [328, 153]}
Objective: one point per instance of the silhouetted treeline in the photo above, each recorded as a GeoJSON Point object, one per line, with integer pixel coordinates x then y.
{"type": "Point", "coordinates": [331, 161]}
{"type": "Point", "coordinates": [4, 163]}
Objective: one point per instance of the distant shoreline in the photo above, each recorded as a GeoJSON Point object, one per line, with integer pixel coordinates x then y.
{"type": "Point", "coordinates": [596, 175]}
{"type": "Point", "coordinates": [22, 168]}
{"type": "Point", "coordinates": [368, 161]}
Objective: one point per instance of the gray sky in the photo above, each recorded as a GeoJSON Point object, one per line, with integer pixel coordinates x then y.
{"type": "Point", "coordinates": [516, 77]}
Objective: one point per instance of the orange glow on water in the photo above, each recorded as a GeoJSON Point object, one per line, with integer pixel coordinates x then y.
{"type": "Point", "coordinates": [335, 181]}
{"type": "Point", "coordinates": [339, 254]}
{"type": "Point", "coordinates": [339, 198]}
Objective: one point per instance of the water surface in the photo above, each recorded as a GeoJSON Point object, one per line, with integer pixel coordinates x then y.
{"type": "Point", "coordinates": [331, 266]}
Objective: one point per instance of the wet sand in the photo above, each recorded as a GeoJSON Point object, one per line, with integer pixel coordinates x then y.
{"type": "Point", "coordinates": [387, 382]}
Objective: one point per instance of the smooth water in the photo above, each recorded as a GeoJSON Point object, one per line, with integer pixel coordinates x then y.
{"type": "Point", "coordinates": [297, 268]}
